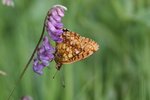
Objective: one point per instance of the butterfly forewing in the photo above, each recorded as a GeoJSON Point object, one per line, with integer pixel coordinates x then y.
{"type": "Point", "coordinates": [74, 48]}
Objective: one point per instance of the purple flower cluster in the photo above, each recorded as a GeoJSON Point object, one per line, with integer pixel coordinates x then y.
{"type": "Point", "coordinates": [8, 2]}
{"type": "Point", "coordinates": [54, 26]}
{"type": "Point", "coordinates": [53, 23]}
{"type": "Point", "coordinates": [45, 54]}
{"type": "Point", "coordinates": [26, 98]}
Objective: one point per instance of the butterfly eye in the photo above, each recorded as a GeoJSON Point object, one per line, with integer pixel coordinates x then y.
{"type": "Point", "coordinates": [65, 30]}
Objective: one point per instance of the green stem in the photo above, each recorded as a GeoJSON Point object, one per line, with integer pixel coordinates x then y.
{"type": "Point", "coordinates": [27, 65]}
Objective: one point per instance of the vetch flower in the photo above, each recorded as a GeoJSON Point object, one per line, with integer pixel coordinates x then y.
{"type": "Point", "coordinates": [26, 98]}
{"type": "Point", "coordinates": [8, 2]}
{"type": "Point", "coordinates": [54, 26]}
{"type": "Point", "coordinates": [53, 22]}
{"type": "Point", "coordinates": [45, 54]}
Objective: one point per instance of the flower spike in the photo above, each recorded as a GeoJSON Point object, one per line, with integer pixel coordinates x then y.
{"type": "Point", "coordinates": [45, 54]}
{"type": "Point", "coordinates": [53, 23]}
{"type": "Point", "coordinates": [54, 26]}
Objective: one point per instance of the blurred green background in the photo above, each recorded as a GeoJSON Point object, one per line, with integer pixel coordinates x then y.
{"type": "Point", "coordinates": [120, 70]}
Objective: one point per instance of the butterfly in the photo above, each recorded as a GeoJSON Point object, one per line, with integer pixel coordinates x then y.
{"type": "Point", "coordinates": [73, 48]}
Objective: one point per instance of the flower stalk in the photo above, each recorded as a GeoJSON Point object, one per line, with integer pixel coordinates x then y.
{"type": "Point", "coordinates": [27, 65]}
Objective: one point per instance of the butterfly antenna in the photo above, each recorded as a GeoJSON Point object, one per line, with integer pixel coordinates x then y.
{"type": "Point", "coordinates": [55, 74]}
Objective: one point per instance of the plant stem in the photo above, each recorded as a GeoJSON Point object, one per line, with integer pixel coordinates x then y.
{"type": "Point", "coordinates": [27, 65]}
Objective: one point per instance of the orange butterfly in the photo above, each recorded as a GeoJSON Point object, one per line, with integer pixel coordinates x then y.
{"type": "Point", "coordinates": [73, 48]}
